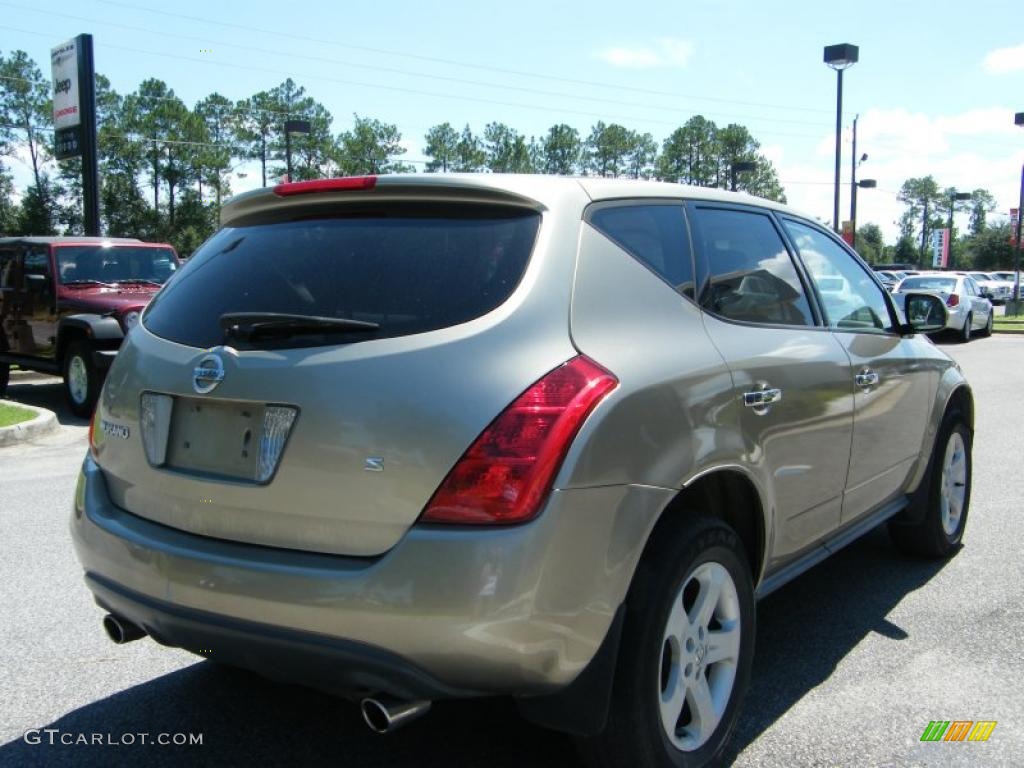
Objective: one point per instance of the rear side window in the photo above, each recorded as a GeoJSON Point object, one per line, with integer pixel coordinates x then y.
{"type": "Point", "coordinates": [655, 235]}
{"type": "Point", "coordinates": [745, 272]}
{"type": "Point", "coordinates": [409, 270]}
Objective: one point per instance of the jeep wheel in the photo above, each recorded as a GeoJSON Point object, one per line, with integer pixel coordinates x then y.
{"type": "Point", "coordinates": [939, 533]}
{"type": "Point", "coordinates": [81, 379]}
{"type": "Point", "coordinates": [686, 653]}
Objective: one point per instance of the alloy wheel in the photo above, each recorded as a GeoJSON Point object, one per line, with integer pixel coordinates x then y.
{"type": "Point", "coordinates": [953, 486]}
{"type": "Point", "coordinates": [78, 379]}
{"type": "Point", "coordinates": [699, 656]}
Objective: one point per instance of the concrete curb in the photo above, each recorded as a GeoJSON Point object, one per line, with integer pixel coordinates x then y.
{"type": "Point", "coordinates": [25, 377]}
{"type": "Point", "coordinates": [44, 423]}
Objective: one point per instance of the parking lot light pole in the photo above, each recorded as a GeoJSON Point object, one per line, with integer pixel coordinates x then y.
{"type": "Point", "coordinates": [839, 57]}
{"type": "Point", "coordinates": [862, 184]}
{"type": "Point", "coordinates": [953, 199]}
{"type": "Point", "coordinates": [743, 166]}
{"type": "Point", "coordinates": [1018, 120]}
{"type": "Point", "coordinates": [290, 127]}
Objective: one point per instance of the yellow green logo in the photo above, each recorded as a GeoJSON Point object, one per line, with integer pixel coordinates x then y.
{"type": "Point", "coordinates": [958, 730]}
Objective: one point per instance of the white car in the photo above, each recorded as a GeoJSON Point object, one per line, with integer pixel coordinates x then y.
{"type": "Point", "coordinates": [969, 311]}
{"type": "Point", "coordinates": [1010, 278]}
{"type": "Point", "coordinates": [999, 291]}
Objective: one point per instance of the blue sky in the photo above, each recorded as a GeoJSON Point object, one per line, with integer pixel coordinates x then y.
{"type": "Point", "coordinates": [935, 87]}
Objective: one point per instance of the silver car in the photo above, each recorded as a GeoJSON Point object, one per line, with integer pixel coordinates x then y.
{"type": "Point", "coordinates": [968, 310]}
{"type": "Point", "coordinates": [1007, 279]}
{"type": "Point", "coordinates": [995, 290]}
{"type": "Point", "coordinates": [419, 437]}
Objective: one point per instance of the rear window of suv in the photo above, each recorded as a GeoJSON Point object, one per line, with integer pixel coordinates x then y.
{"type": "Point", "coordinates": [409, 270]}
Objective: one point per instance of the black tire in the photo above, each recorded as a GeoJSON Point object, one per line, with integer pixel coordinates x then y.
{"type": "Point", "coordinates": [965, 333]}
{"type": "Point", "coordinates": [81, 404]}
{"type": "Point", "coordinates": [634, 735]}
{"type": "Point", "coordinates": [929, 538]}
{"type": "Point", "coordinates": [987, 331]}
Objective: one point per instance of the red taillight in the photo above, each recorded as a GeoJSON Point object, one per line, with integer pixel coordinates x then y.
{"type": "Point", "coordinates": [507, 472]}
{"type": "Point", "coordinates": [952, 300]}
{"type": "Point", "coordinates": [324, 185]}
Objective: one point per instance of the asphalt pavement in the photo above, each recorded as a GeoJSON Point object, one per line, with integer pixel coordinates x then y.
{"type": "Point", "coordinates": [853, 660]}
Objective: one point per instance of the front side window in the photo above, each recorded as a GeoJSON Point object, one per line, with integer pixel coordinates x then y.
{"type": "Point", "coordinates": [850, 299]}
{"type": "Point", "coordinates": [745, 271]}
{"type": "Point", "coordinates": [9, 270]}
{"type": "Point", "coordinates": [36, 274]}
{"type": "Point", "coordinates": [655, 235]}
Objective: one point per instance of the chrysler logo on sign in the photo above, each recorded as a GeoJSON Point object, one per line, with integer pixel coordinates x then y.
{"type": "Point", "coordinates": [207, 374]}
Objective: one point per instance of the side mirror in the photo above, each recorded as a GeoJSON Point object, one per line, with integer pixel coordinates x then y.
{"type": "Point", "coordinates": [925, 313]}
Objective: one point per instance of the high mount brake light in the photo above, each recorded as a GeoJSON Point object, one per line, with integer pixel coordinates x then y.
{"type": "Point", "coordinates": [507, 472]}
{"type": "Point", "coordinates": [290, 188]}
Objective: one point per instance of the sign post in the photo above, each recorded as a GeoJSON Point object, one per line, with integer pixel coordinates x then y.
{"type": "Point", "coordinates": [74, 118]}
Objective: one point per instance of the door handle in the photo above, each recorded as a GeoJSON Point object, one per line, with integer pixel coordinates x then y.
{"type": "Point", "coordinates": [762, 398]}
{"type": "Point", "coordinates": [866, 379]}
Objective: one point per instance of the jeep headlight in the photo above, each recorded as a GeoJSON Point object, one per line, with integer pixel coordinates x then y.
{"type": "Point", "coordinates": [130, 320]}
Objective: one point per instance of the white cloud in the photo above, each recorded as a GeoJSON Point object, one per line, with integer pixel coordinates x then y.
{"type": "Point", "coordinates": [666, 52]}
{"type": "Point", "coordinates": [1003, 60]}
{"type": "Point", "coordinates": [969, 150]}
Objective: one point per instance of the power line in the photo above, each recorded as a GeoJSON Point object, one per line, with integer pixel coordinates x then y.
{"type": "Point", "coordinates": [413, 91]}
{"type": "Point", "coordinates": [409, 73]}
{"type": "Point", "coordinates": [453, 62]}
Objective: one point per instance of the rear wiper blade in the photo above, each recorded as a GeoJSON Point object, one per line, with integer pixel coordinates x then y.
{"type": "Point", "coordinates": [249, 325]}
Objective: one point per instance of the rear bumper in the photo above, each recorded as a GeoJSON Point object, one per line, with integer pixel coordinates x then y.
{"type": "Point", "coordinates": [331, 664]}
{"type": "Point", "coordinates": [446, 612]}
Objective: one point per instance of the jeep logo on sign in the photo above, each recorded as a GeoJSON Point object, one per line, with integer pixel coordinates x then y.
{"type": "Point", "coordinates": [207, 374]}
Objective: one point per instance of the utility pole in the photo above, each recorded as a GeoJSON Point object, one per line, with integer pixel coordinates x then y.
{"type": "Point", "coordinates": [853, 186]}
{"type": "Point", "coordinates": [924, 234]}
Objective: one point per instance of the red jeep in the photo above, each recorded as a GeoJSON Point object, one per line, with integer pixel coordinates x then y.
{"type": "Point", "coordinates": [67, 302]}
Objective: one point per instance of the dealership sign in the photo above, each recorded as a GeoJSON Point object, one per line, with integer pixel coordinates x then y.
{"type": "Point", "coordinates": [67, 107]}
{"type": "Point", "coordinates": [940, 248]}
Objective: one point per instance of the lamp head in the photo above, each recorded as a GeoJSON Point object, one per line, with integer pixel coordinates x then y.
{"type": "Point", "coordinates": [841, 56]}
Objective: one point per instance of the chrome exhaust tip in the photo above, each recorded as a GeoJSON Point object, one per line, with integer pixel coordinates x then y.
{"type": "Point", "coordinates": [384, 714]}
{"type": "Point", "coordinates": [121, 631]}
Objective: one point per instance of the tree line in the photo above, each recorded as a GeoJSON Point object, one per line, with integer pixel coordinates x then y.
{"type": "Point", "coordinates": [929, 207]}
{"type": "Point", "coordinates": [165, 167]}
